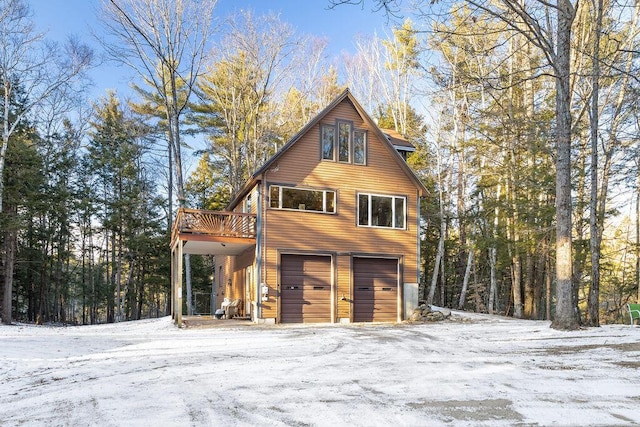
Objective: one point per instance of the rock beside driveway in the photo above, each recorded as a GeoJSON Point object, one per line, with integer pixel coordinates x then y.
{"type": "Point", "coordinates": [429, 313]}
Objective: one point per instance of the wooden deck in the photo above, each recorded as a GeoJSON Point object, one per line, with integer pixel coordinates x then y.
{"type": "Point", "coordinates": [196, 224]}
{"type": "Point", "coordinates": [203, 232]}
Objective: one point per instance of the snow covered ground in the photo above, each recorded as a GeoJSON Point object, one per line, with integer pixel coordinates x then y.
{"type": "Point", "coordinates": [475, 370]}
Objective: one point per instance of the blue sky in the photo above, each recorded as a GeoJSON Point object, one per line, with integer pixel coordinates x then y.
{"type": "Point", "coordinates": [60, 18]}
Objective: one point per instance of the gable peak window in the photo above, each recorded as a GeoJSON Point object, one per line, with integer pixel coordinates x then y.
{"type": "Point", "coordinates": [342, 142]}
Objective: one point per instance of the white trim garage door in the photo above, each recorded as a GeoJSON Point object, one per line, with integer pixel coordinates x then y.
{"type": "Point", "coordinates": [375, 290]}
{"type": "Point", "coordinates": [305, 288]}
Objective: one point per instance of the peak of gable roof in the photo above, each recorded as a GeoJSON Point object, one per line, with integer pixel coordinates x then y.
{"type": "Point", "coordinates": [345, 95]}
{"type": "Point", "coordinates": [333, 104]}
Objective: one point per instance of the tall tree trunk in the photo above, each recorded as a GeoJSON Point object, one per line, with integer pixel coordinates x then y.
{"type": "Point", "coordinates": [93, 303]}
{"type": "Point", "coordinates": [638, 231]}
{"type": "Point", "coordinates": [436, 264]}
{"type": "Point", "coordinates": [114, 296]}
{"type": "Point", "coordinates": [7, 283]}
{"type": "Point", "coordinates": [514, 249]}
{"type": "Point", "coordinates": [593, 300]}
{"type": "Point", "coordinates": [532, 284]}
{"type": "Point", "coordinates": [443, 283]}
{"type": "Point", "coordinates": [547, 282]}
{"type": "Point", "coordinates": [516, 286]}
{"type": "Point", "coordinates": [566, 316]}
{"type": "Point", "coordinates": [463, 254]}
{"type": "Point", "coordinates": [10, 243]}
{"type": "Point", "coordinates": [443, 227]}
{"type": "Point", "coordinates": [130, 291]}
{"type": "Point", "coordinates": [515, 55]}
{"type": "Point", "coordinates": [83, 279]}
{"type": "Point", "coordinates": [140, 300]}
{"type": "Point", "coordinates": [638, 237]}
{"type": "Point", "coordinates": [529, 280]}
{"type": "Point", "coordinates": [42, 302]}
{"type": "Point", "coordinates": [119, 267]}
{"type": "Point", "coordinates": [465, 280]}
{"type": "Point", "coordinates": [187, 275]}
{"type": "Point", "coordinates": [493, 255]}
{"type": "Point", "coordinates": [581, 223]}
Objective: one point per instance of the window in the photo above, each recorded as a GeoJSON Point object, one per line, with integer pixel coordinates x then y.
{"type": "Point", "coordinates": [358, 147]}
{"type": "Point", "coordinates": [302, 199]}
{"type": "Point", "coordinates": [381, 211]}
{"type": "Point", "coordinates": [328, 137]}
{"type": "Point", "coordinates": [247, 204]}
{"type": "Point", "coordinates": [341, 140]}
{"type": "Point", "coordinates": [344, 141]}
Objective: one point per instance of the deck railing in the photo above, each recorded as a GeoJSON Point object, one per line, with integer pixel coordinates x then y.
{"type": "Point", "coordinates": [214, 223]}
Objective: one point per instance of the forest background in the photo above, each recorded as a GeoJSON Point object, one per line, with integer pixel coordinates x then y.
{"type": "Point", "coordinates": [89, 187]}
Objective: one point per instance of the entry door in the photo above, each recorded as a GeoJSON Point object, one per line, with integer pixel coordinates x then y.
{"type": "Point", "coordinates": [305, 288]}
{"type": "Point", "coordinates": [375, 293]}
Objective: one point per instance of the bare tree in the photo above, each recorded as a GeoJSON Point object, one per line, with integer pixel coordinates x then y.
{"type": "Point", "coordinates": [383, 73]}
{"type": "Point", "coordinates": [596, 236]}
{"type": "Point", "coordinates": [164, 42]}
{"type": "Point", "coordinates": [39, 70]}
{"type": "Point", "coordinates": [609, 121]}
{"type": "Point", "coordinates": [443, 217]}
{"type": "Point", "coordinates": [251, 66]}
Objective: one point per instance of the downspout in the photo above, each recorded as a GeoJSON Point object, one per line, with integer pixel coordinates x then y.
{"type": "Point", "coordinates": [259, 253]}
{"type": "Point", "coordinates": [263, 235]}
{"type": "Point", "coordinates": [418, 238]}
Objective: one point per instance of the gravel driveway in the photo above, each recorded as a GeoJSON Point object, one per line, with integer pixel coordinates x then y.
{"type": "Point", "coordinates": [472, 370]}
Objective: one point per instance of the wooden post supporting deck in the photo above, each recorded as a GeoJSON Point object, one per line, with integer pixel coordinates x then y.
{"type": "Point", "coordinates": [176, 282]}
{"type": "Point", "coordinates": [179, 257]}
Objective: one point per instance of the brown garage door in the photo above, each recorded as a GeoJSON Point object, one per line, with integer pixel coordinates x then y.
{"type": "Point", "coordinates": [306, 288]}
{"type": "Point", "coordinates": [375, 295]}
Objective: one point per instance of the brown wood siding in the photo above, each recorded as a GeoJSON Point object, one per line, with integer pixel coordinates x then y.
{"type": "Point", "coordinates": [375, 290]}
{"type": "Point", "coordinates": [237, 288]}
{"type": "Point", "coordinates": [338, 233]}
{"type": "Point", "coordinates": [245, 259]}
{"type": "Point", "coordinates": [240, 206]}
{"type": "Point", "coordinates": [227, 263]}
{"type": "Point", "coordinates": [343, 289]}
{"type": "Point", "coordinates": [254, 200]}
{"type": "Point", "coordinates": [305, 289]}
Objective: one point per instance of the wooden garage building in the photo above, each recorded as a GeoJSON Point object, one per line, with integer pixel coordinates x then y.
{"type": "Point", "coordinates": [329, 228]}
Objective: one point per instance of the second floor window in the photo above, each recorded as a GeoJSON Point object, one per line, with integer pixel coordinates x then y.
{"type": "Point", "coordinates": [381, 211]}
{"type": "Point", "coordinates": [302, 199]}
{"type": "Point", "coordinates": [342, 143]}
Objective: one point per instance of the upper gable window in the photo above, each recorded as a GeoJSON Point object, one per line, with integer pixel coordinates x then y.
{"type": "Point", "coordinates": [328, 137]}
{"type": "Point", "coordinates": [342, 143]}
{"type": "Point", "coordinates": [359, 147]}
{"type": "Point", "coordinates": [302, 199]}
